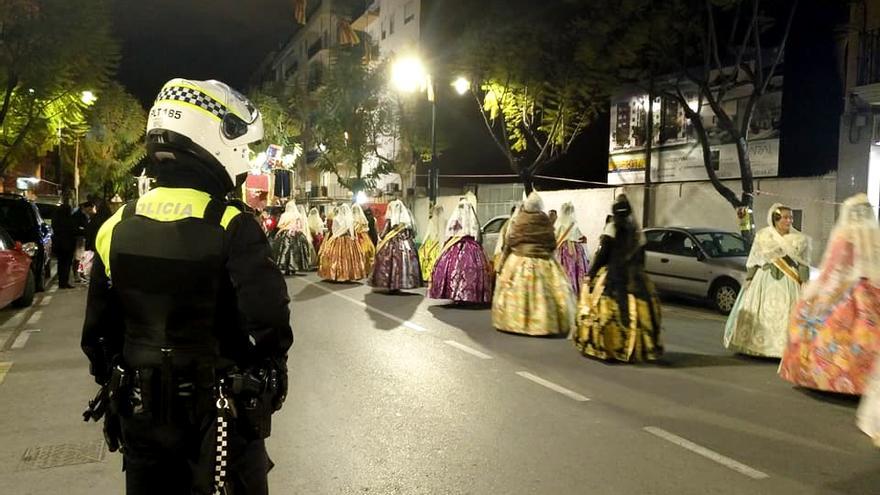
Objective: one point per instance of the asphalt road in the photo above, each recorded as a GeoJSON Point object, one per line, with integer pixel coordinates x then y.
{"type": "Point", "coordinates": [397, 394]}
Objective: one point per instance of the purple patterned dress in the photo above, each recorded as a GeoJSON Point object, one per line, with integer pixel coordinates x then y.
{"type": "Point", "coordinates": [463, 274]}
{"type": "Point", "coordinates": [573, 258]}
{"type": "Point", "coordinates": [396, 265]}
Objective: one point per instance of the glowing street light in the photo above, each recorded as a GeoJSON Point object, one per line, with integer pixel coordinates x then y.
{"type": "Point", "coordinates": [408, 74]}
{"type": "Point", "coordinates": [461, 85]}
{"type": "Point", "coordinates": [88, 97]}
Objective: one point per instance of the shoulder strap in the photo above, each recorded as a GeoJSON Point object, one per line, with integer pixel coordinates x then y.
{"type": "Point", "coordinates": [214, 211]}
{"type": "Point", "coordinates": [129, 210]}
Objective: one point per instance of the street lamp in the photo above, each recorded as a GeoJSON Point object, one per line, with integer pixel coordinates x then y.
{"type": "Point", "coordinates": [408, 75]}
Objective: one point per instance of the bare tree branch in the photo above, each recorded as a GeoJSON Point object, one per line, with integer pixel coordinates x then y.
{"type": "Point", "coordinates": [781, 50]}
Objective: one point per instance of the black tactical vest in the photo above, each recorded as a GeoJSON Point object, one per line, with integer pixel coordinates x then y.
{"type": "Point", "coordinates": [169, 275]}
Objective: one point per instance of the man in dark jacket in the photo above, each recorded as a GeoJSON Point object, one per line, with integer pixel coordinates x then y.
{"type": "Point", "coordinates": [187, 322]}
{"type": "Point", "coordinates": [65, 230]}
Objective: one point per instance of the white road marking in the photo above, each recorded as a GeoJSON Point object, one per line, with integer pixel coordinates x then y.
{"type": "Point", "coordinates": [552, 386]}
{"type": "Point", "coordinates": [46, 300]}
{"type": "Point", "coordinates": [401, 321]}
{"type": "Point", "coordinates": [707, 453]}
{"type": "Point", "coordinates": [469, 350]}
{"type": "Point", "coordinates": [22, 338]}
{"type": "Point", "coordinates": [4, 368]}
{"type": "Point", "coordinates": [35, 317]}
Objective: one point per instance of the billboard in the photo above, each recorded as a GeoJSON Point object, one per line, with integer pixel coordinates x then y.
{"type": "Point", "coordinates": [676, 151]}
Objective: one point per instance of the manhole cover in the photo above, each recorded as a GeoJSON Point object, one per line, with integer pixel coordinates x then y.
{"type": "Point", "coordinates": [65, 454]}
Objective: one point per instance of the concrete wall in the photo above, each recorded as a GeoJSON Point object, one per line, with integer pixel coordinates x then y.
{"type": "Point", "coordinates": [691, 204]}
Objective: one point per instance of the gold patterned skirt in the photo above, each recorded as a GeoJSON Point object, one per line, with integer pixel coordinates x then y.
{"type": "Point", "coordinates": [429, 251]}
{"type": "Point", "coordinates": [341, 260]}
{"type": "Point", "coordinates": [533, 297]}
{"type": "Point", "coordinates": [604, 333]}
{"type": "Point", "coordinates": [369, 250]}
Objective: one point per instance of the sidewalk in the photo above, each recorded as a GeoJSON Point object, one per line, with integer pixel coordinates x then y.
{"type": "Point", "coordinates": [50, 450]}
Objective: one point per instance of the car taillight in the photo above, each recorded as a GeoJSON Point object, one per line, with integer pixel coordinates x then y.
{"type": "Point", "coordinates": [29, 248]}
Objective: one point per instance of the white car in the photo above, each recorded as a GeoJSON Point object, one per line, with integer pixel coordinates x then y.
{"type": "Point", "coordinates": [491, 231]}
{"type": "Point", "coordinates": [697, 262]}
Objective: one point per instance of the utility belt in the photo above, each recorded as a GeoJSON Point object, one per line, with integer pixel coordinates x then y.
{"type": "Point", "coordinates": [172, 395]}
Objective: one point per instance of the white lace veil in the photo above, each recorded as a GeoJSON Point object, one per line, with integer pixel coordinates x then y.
{"type": "Point", "coordinates": [358, 217]}
{"type": "Point", "coordinates": [463, 221]}
{"type": "Point", "coordinates": [399, 214]}
{"type": "Point", "coordinates": [435, 223]}
{"type": "Point", "coordinates": [853, 251]}
{"type": "Point", "coordinates": [304, 219]}
{"type": "Point", "coordinates": [769, 244]}
{"type": "Point", "coordinates": [291, 219]}
{"type": "Point", "coordinates": [316, 225]}
{"type": "Point", "coordinates": [342, 221]}
{"type": "Point", "coordinates": [567, 223]}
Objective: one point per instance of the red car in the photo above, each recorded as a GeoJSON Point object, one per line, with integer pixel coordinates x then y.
{"type": "Point", "coordinates": [17, 284]}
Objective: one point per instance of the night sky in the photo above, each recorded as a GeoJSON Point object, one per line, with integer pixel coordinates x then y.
{"type": "Point", "coordinates": [198, 39]}
{"type": "Point", "coordinates": [228, 39]}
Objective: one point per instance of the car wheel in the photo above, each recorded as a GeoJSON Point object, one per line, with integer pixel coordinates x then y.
{"type": "Point", "coordinates": [39, 279]}
{"type": "Point", "coordinates": [27, 297]}
{"type": "Point", "coordinates": [724, 295]}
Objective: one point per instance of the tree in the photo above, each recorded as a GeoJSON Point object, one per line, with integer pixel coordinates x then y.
{"type": "Point", "coordinates": [534, 99]}
{"type": "Point", "coordinates": [697, 53]}
{"type": "Point", "coordinates": [113, 143]}
{"type": "Point", "coordinates": [281, 108]}
{"type": "Point", "coordinates": [50, 51]}
{"type": "Point", "coordinates": [351, 116]}
{"type": "Point", "coordinates": [743, 58]}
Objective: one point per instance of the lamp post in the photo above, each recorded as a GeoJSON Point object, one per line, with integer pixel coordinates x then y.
{"type": "Point", "coordinates": [408, 75]}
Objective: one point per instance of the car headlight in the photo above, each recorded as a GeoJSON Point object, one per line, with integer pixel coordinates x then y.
{"type": "Point", "coordinates": [29, 248]}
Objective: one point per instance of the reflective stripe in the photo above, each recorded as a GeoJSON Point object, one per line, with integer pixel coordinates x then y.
{"type": "Point", "coordinates": [105, 234]}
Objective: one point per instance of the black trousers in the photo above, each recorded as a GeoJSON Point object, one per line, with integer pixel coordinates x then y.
{"type": "Point", "coordinates": [178, 458]}
{"type": "Point", "coordinates": [65, 263]}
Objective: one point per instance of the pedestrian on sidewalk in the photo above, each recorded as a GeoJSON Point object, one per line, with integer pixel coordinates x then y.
{"type": "Point", "coordinates": [187, 322]}
{"type": "Point", "coordinates": [65, 230]}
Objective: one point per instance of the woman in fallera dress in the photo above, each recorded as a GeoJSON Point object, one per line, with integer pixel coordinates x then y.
{"type": "Point", "coordinates": [397, 261]}
{"type": "Point", "coordinates": [833, 336]}
{"type": "Point", "coordinates": [313, 253]}
{"type": "Point", "coordinates": [294, 248]}
{"type": "Point", "coordinates": [571, 248]}
{"type": "Point", "coordinates": [362, 233]}
{"type": "Point", "coordinates": [532, 294]}
{"type": "Point", "coordinates": [778, 265]}
{"type": "Point", "coordinates": [316, 228]}
{"type": "Point", "coordinates": [462, 273]}
{"type": "Point", "coordinates": [430, 248]}
{"type": "Point", "coordinates": [618, 312]}
{"type": "Point", "coordinates": [341, 257]}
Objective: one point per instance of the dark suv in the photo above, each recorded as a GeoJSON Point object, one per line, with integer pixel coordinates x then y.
{"type": "Point", "coordinates": [22, 220]}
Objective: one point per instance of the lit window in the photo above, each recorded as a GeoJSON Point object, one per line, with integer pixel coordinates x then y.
{"type": "Point", "coordinates": [391, 24]}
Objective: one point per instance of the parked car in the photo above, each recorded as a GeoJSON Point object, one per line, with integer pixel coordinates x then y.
{"type": "Point", "coordinates": [491, 231]}
{"type": "Point", "coordinates": [697, 262]}
{"type": "Point", "coordinates": [47, 207]}
{"type": "Point", "coordinates": [23, 222]}
{"type": "Point", "coordinates": [17, 285]}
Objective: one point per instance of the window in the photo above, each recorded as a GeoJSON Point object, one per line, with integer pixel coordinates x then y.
{"type": "Point", "coordinates": [391, 24]}
{"type": "Point", "coordinates": [653, 238]}
{"type": "Point", "coordinates": [383, 30]}
{"type": "Point", "coordinates": [678, 244]}
{"type": "Point", "coordinates": [409, 11]}
{"type": "Point", "coordinates": [494, 226]}
{"type": "Point", "coordinates": [722, 244]}
{"type": "Point", "coordinates": [797, 219]}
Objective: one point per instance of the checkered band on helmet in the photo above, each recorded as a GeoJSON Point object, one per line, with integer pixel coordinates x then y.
{"type": "Point", "coordinates": [193, 97]}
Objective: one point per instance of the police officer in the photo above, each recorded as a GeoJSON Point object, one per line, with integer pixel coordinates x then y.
{"type": "Point", "coordinates": [187, 320]}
